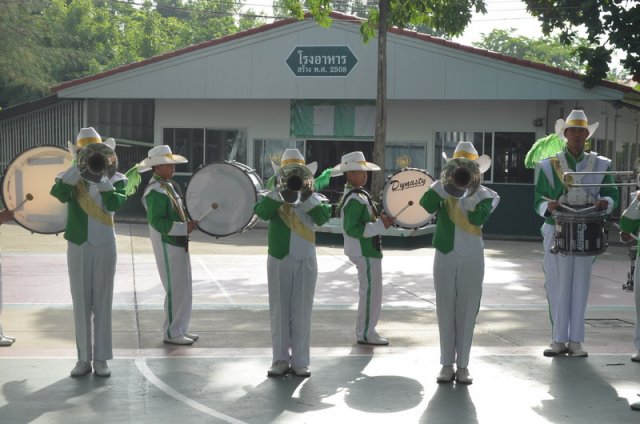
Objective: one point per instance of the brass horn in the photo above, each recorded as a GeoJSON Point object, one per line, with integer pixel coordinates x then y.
{"type": "Point", "coordinates": [460, 177]}
{"type": "Point", "coordinates": [293, 181]}
{"type": "Point", "coordinates": [97, 162]}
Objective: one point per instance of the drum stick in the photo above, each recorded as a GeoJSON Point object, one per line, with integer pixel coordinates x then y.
{"type": "Point", "coordinates": [214, 205]}
{"type": "Point", "coordinates": [27, 198]}
{"type": "Point", "coordinates": [635, 237]}
{"type": "Point", "coordinates": [404, 209]}
{"type": "Point", "coordinates": [561, 205]}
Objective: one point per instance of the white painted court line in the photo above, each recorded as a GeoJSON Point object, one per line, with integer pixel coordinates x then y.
{"type": "Point", "coordinates": [213, 279]}
{"type": "Point", "coordinates": [141, 363]}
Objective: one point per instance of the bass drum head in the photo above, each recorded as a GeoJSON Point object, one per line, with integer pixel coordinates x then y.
{"type": "Point", "coordinates": [233, 188]}
{"type": "Point", "coordinates": [401, 197]}
{"type": "Point", "coordinates": [33, 172]}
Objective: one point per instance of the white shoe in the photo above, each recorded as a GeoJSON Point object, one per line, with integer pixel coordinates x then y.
{"type": "Point", "coordinates": [575, 349]}
{"type": "Point", "coordinates": [192, 336]}
{"type": "Point", "coordinates": [375, 339]}
{"type": "Point", "coordinates": [101, 369]}
{"type": "Point", "coordinates": [180, 340]}
{"type": "Point", "coordinates": [555, 349]}
{"type": "Point", "coordinates": [463, 376]}
{"type": "Point", "coordinates": [636, 357]}
{"type": "Point", "coordinates": [81, 368]}
{"type": "Point", "coordinates": [302, 372]}
{"type": "Point", "coordinates": [6, 341]}
{"type": "Point", "coordinates": [446, 374]}
{"type": "Point", "coordinates": [278, 368]}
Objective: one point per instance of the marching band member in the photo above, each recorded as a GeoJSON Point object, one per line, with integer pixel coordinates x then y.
{"type": "Point", "coordinates": [169, 230]}
{"type": "Point", "coordinates": [5, 215]}
{"type": "Point", "coordinates": [362, 227]}
{"type": "Point", "coordinates": [629, 226]}
{"type": "Point", "coordinates": [568, 278]}
{"type": "Point", "coordinates": [458, 267]}
{"type": "Point", "coordinates": [292, 268]}
{"type": "Point", "coordinates": [91, 255]}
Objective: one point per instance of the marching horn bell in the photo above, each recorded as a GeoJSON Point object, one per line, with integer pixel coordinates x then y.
{"type": "Point", "coordinates": [292, 179]}
{"type": "Point", "coordinates": [97, 162]}
{"type": "Point", "coordinates": [460, 177]}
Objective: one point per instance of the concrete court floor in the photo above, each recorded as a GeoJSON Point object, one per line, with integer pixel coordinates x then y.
{"type": "Point", "coordinates": [222, 378]}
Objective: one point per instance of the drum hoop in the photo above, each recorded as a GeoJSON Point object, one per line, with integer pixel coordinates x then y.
{"type": "Point", "coordinates": [253, 218]}
{"type": "Point", "coordinates": [384, 192]}
{"type": "Point", "coordinates": [5, 174]}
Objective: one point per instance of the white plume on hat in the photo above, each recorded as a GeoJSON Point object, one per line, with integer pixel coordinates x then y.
{"type": "Point", "coordinates": [294, 157]}
{"type": "Point", "coordinates": [160, 155]}
{"type": "Point", "coordinates": [576, 119]}
{"type": "Point", "coordinates": [353, 161]}
{"type": "Point", "coordinates": [466, 150]}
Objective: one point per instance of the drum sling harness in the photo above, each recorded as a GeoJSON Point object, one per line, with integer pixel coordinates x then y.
{"type": "Point", "coordinates": [173, 191]}
{"type": "Point", "coordinates": [288, 215]}
{"type": "Point", "coordinates": [574, 195]}
{"type": "Point", "coordinates": [90, 206]}
{"type": "Point", "coordinates": [377, 240]}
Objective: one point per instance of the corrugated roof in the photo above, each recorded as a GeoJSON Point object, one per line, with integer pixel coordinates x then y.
{"type": "Point", "coordinates": [345, 18]}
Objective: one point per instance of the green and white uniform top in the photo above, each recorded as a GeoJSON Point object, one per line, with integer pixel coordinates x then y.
{"type": "Point", "coordinates": [291, 228]}
{"type": "Point", "coordinates": [360, 225]}
{"type": "Point", "coordinates": [90, 206]}
{"type": "Point", "coordinates": [630, 219]}
{"type": "Point", "coordinates": [165, 211]}
{"type": "Point", "coordinates": [550, 182]}
{"type": "Point", "coordinates": [460, 221]}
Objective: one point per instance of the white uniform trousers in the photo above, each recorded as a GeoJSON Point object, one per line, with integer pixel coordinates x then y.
{"type": "Point", "coordinates": [369, 295]}
{"type": "Point", "coordinates": [636, 294]}
{"type": "Point", "coordinates": [292, 285]}
{"type": "Point", "coordinates": [91, 273]}
{"type": "Point", "coordinates": [458, 283]}
{"type": "Point", "coordinates": [567, 282]}
{"type": "Point", "coordinates": [1, 330]}
{"type": "Point", "coordinates": [174, 267]}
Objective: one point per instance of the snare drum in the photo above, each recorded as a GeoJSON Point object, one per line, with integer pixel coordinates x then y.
{"type": "Point", "coordinates": [229, 188]}
{"type": "Point", "coordinates": [580, 233]}
{"type": "Point", "coordinates": [401, 197]}
{"type": "Point", "coordinates": [33, 172]}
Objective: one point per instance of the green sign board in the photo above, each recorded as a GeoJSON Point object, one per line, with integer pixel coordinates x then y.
{"type": "Point", "coordinates": [321, 61]}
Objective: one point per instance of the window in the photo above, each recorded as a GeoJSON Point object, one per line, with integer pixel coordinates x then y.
{"type": "Point", "coordinates": [403, 155]}
{"type": "Point", "coordinates": [508, 157]}
{"type": "Point", "coordinates": [203, 146]}
{"type": "Point", "coordinates": [446, 142]}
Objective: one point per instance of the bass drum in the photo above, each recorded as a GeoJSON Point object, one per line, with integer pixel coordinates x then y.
{"type": "Point", "coordinates": [221, 197]}
{"type": "Point", "coordinates": [401, 197]}
{"type": "Point", "coordinates": [31, 175]}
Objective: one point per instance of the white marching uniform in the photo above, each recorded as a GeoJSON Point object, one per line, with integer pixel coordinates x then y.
{"type": "Point", "coordinates": [174, 263]}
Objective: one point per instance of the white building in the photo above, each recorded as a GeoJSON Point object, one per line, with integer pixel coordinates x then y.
{"type": "Point", "coordinates": [293, 83]}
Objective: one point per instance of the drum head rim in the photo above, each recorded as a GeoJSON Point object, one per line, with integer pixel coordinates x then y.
{"type": "Point", "coordinates": [4, 202]}
{"type": "Point", "coordinates": [255, 197]}
{"type": "Point", "coordinates": [430, 215]}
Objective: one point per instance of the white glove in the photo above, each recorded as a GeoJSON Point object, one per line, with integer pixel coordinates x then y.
{"type": "Point", "coordinates": [105, 186]}
{"type": "Point", "coordinates": [439, 189]}
{"type": "Point", "coordinates": [71, 176]}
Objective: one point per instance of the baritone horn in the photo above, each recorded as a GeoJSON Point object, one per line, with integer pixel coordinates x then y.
{"type": "Point", "coordinates": [97, 162]}
{"type": "Point", "coordinates": [460, 177]}
{"type": "Point", "coordinates": [294, 181]}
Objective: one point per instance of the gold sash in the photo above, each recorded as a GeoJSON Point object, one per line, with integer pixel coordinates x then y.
{"type": "Point", "coordinates": [555, 164]}
{"type": "Point", "coordinates": [90, 206]}
{"type": "Point", "coordinates": [291, 220]}
{"type": "Point", "coordinates": [459, 218]}
{"type": "Point", "coordinates": [174, 201]}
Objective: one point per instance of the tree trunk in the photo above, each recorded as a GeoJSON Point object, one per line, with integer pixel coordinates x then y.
{"type": "Point", "coordinates": [377, 178]}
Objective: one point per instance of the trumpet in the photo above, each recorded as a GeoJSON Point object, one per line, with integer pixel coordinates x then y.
{"type": "Point", "coordinates": [294, 182]}
{"type": "Point", "coordinates": [97, 162]}
{"type": "Point", "coordinates": [460, 177]}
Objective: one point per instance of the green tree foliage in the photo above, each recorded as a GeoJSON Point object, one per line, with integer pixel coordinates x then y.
{"type": "Point", "coordinates": [45, 42]}
{"type": "Point", "coordinates": [609, 25]}
{"type": "Point", "coordinates": [548, 50]}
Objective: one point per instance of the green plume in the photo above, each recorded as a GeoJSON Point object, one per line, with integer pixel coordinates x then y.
{"type": "Point", "coordinates": [133, 180]}
{"type": "Point", "coordinates": [323, 179]}
{"type": "Point", "coordinates": [271, 182]}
